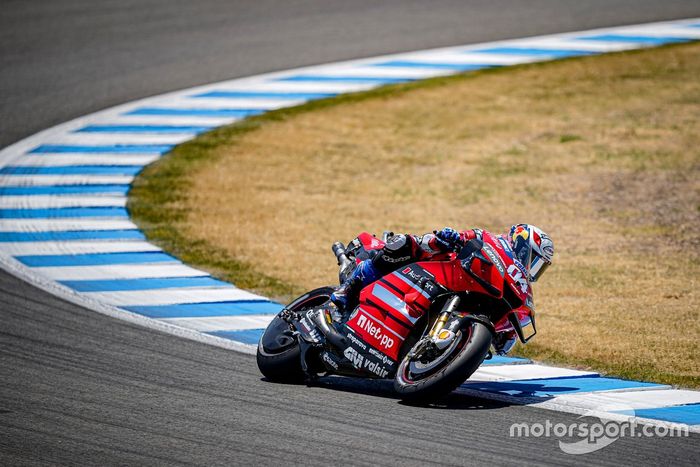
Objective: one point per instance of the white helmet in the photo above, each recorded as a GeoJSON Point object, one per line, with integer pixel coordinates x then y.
{"type": "Point", "coordinates": [533, 248]}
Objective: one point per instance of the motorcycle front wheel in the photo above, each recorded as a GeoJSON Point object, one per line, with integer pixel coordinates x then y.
{"type": "Point", "coordinates": [279, 356]}
{"type": "Point", "coordinates": [421, 380]}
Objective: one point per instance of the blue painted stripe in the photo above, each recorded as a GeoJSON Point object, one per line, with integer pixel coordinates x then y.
{"type": "Point", "coordinates": [197, 310]}
{"type": "Point", "coordinates": [106, 149]}
{"type": "Point", "coordinates": [73, 170]}
{"type": "Point", "coordinates": [144, 129]}
{"type": "Point", "coordinates": [143, 284]}
{"type": "Point", "coordinates": [635, 39]}
{"type": "Point", "coordinates": [63, 190]}
{"type": "Point", "coordinates": [345, 79]}
{"type": "Point", "coordinates": [688, 414]}
{"type": "Point", "coordinates": [132, 234]}
{"type": "Point", "coordinates": [63, 213]}
{"type": "Point", "coordinates": [499, 360]}
{"type": "Point", "coordinates": [265, 95]}
{"type": "Point", "coordinates": [441, 66]}
{"type": "Point", "coordinates": [246, 336]}
{"type": "Point", "coordinates": [96, 259]}
{"type": "Point", "coordinates": [554, 386]}
{"type": "Point", "coordinates": [163, 111]}
{"type": "Point", "coordinates": [533, 51]}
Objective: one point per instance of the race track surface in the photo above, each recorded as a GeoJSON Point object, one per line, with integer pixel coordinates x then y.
{"type": "Point", "coordinates": [77, 387]}
{"type": "Point", "coordinates": [82, 388]}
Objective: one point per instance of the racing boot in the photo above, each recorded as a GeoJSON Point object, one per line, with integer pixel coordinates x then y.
{"type": "Point", "coordinates": [345, 297]}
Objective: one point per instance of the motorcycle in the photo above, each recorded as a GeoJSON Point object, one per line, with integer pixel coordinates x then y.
{"type": "Point", "coordinates": [428, 325]}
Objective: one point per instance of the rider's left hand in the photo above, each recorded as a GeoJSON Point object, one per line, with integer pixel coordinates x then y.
{"type": "Point", "coordinates": [448, 238]}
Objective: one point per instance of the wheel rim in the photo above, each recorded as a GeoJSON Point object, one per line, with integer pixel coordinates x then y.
{"type": "Point", "coordinates": [414, 371]}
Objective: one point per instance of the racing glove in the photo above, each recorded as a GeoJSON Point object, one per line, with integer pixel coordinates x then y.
{"type": "Point", "coordinates": [448, 238]}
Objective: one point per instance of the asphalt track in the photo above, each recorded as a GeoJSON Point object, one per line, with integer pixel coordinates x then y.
{"type": "Point", "coordinates": [80, 388]}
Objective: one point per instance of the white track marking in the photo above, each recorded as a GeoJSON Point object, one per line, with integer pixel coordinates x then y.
{"type": "Point", "coordinates": [193, 120]}
{"type": "Point", "coordinates": [173, 296]}
{"type": "Point", "coordinates": [662, 31]}
{"type": "Point", "coordinates": [572, 44]}
{"type": "Point", "coordinates": [524, 371]}
{"type": "Point", "coordinates": [64, 160]}
{"type": "Point", "coordinates": [457, 58]}
{"type": "Point", "coordinates": [222, 323]}
{"type": "Point", "coordinates": [49, 201]}
{"type": "Point", "coordinates": [77, 247]}
{"type": "Point", "coordinates": [226, 103]}
{"type": "Point", "coordinates": [298, 86]}
{"type": "Point", "coordinates": [47, 180]}
{"type": "Point", "coordinates": [652, 398]}
{"type": "Point", "coordinates": [383, 72]}
{"type": "Point", "coordinates": [112, 139]}
{"type": "Point", "coordinates": [63, 225]}
{"type": "Point", "coordinates": [121, 271]}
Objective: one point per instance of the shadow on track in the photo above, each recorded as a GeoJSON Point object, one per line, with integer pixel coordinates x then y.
{"type": "Point", "coordinates": [384, 388]}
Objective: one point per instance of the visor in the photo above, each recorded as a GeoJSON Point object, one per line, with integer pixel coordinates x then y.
{"type": "Point", "coordinates": [537, 267]}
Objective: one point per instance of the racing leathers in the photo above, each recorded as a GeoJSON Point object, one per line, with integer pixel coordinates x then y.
{"type": "Point", "coordinates": [398, 251]}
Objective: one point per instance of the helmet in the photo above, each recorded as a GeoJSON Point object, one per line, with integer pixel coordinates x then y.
{"type": "Point", "coordinates": [533, 248]}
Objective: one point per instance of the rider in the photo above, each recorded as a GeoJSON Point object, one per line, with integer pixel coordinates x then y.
{"type": "Point", "coordinates": [531, 247]}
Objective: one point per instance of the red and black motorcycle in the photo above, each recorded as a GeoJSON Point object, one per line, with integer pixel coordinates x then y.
{"type": "Point", "coordinates": [428, 325]}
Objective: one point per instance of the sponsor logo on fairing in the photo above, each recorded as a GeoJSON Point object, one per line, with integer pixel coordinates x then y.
{"type": "Point", "coordinates": [389, 259]}
{"type": "Point", "coordinates": [380, 356]}
{"type": "Point", "coordinates": [361, 363]}
{"type": "Point", "coordinates": [357, 341]}
{"type": "Point", "coordinates": [495, 259]}
{"type": "Point", "coordinates": [517, 276]}
{"type": "Point", "coordinates": [375, 331]}
{"type": "Point", "coordinates": [327, 358]}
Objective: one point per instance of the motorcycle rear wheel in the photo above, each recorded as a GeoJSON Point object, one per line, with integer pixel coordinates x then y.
{"type": "Point", "coordinates": [416, 381]}
{"type": "Point", "coordinates": [279, 356]}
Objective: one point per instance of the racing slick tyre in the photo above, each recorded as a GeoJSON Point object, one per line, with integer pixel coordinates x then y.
{"type": "Point", "coordinates": [422, 381]}
{"type": "Point", "coordinates": [279, 356]}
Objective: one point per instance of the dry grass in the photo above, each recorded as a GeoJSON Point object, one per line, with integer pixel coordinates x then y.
{"type": "Point", "coordinates": [601, 152]}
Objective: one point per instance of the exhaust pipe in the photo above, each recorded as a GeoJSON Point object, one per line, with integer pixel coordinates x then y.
{"type": "Point", "coordinates": [334, 337]}
{"type": "Point", "coordinates": [345, 264]}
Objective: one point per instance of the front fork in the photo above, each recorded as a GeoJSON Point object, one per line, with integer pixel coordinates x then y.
{"type": "Point", "coordinates": [439, 337]}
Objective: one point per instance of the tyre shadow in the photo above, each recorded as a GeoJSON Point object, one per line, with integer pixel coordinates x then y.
{"type": "Point", "coordinates": [385, 389]}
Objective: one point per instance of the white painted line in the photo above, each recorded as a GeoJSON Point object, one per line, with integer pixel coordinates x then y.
{"type": "Point", "coordinates": [166, 120]}
{"type": "Point", "coordinates": [572, 44]}
{"type": "Point", "coordinates": [226, 103]}
{"type": "Point", "coordinates": [457, 58]}
{"type": "Point", "coordinates": [64, 160]}
{"type": "Point", "coordinates": [383, 72]}
{"type": "Point", "coordinates": [50, 201]}
{"type": "Point", "coordinates": [648, 399]}
{"type": "Point", "coordinates": [661, 31]}
{"type": "Point", "coordinates": [222, 323]}
{"type": "Point", "coordinates": [173, 296]}
{"type": "Point", "coordinates": [120, 271]}
{"type": "Point", "coordinates": [63, 225]}
{"type": "Point", "coordinates": [47, 180]}
{"type": "Point", "coordinates": [116, 139]}
{"type": "Point", "coordinates": [301, 86]}
{"type": "Point", "coordinates": [524, 372]}
{"type": "Point", "coordinates": [75, 247]}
